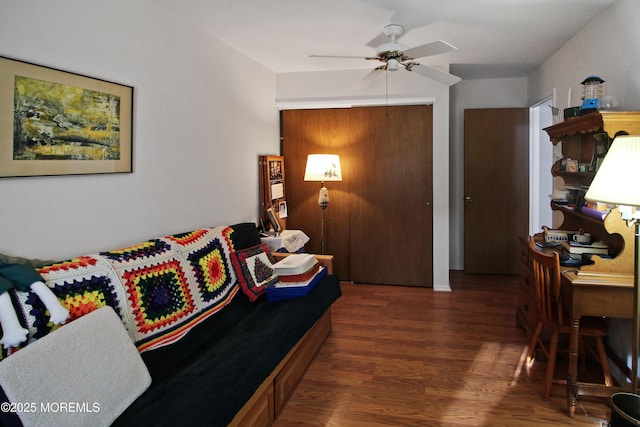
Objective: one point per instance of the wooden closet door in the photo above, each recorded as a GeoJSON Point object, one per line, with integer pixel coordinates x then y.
{"type": "Point", "coordinates": [496, 188]}
{"type": "Point", "coordinates": [391, 213]}
{"type": "Point", "coordinates": [379, 222]}
{"type": "Point", "coordinates": [326, 131]}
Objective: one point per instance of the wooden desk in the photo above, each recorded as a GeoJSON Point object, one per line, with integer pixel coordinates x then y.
{"type": "Point", "coordinates": [593, 294]}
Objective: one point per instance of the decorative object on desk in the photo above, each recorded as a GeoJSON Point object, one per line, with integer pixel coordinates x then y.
{"type": "Point", "coordinates": [581, 237]}
{"type": "Point", "coordinates": [323, 167]}
{"type": "Point", "coordinates": [592, 91]}
{"type": "Point", "coordinates": [616, 182]}
{"type": "Point", "coordinates": [556, 235]}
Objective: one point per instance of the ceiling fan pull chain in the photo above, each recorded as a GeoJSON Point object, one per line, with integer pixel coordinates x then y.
{"type": "Point", "coordinates": [386, 93]}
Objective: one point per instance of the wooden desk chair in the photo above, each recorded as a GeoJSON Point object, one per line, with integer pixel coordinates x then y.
{"type": "Point", "coordinates": [552, 314]}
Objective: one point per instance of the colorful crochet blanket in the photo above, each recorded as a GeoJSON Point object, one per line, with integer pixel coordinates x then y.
{"type": "Point", "coordinates": [160, 288]}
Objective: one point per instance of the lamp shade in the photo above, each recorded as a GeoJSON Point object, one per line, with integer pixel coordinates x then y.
{"type": "Point", "coordinates": [323, 167]}
{"type": "Point", "coordinates": [616, 181]}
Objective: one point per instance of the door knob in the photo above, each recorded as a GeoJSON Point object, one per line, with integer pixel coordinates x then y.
{"type": "Point", "coordinates": [468, 199]}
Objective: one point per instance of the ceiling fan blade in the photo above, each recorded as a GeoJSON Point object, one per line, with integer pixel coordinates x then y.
{"type": "Point", "coordinates": [435, 74]}
{"type": "Point", "coordinates": [378, 40]}
{"type": "Point", "coordinates": [340, 56]}
{"type": "Point", "coordinates": [429, 49]}
{"type": "Point", "coordinates": [369, 79]}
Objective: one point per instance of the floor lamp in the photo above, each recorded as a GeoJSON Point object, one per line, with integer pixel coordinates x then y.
{"type": "Point", "coordinates": [321, 168]}
{"type": "Point", "coordinates": [617, 182]}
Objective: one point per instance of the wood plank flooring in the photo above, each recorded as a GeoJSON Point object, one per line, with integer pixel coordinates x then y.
{"type": "Point", "coordinates": [403, 356]}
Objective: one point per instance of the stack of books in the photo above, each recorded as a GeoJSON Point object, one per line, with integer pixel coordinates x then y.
{"type": "Point", "coordinates": [597, 248]}
{"type": "Point", "coordinates": [298, 274]}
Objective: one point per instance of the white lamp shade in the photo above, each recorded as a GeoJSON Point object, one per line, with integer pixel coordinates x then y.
{"type": "Point", "coordinates": [323, 167]}
{"type": "Point", "coordinates": [618, 178]}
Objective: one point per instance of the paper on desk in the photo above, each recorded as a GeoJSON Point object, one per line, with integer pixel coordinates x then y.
{"type": "Point", "coordinates": [602, 278]}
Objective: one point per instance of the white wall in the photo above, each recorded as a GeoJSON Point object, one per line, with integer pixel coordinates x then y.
{"type": "Point", "coordinates": [481, 93]}
{"type": "Point", "coordinates": [608, 47]}
{"type": "Point", "coordinates": [333, 88]}
{"type": "Point", "coordinates": [202, 115]}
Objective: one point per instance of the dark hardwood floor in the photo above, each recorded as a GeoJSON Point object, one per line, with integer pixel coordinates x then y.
{"type": "Point", "coordinates": [403, 356]}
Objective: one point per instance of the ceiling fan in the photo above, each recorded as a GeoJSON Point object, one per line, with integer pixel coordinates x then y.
{"type": "Point", "coordinates": [394, 55]}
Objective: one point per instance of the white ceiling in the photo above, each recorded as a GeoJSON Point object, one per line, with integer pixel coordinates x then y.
{"type": "Point", "coordinates": [495, 38]}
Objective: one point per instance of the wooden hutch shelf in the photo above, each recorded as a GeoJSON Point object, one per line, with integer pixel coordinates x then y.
{"type": "Point", "coordinates": [578, 137]}
{"type": "Point", "coordinates": [610, 122]}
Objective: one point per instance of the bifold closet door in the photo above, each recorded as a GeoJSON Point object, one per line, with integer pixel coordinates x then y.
{"type": "Point", "coordinates": [379, 223]}
{"type": "Point", "coordinates": [391, 211]}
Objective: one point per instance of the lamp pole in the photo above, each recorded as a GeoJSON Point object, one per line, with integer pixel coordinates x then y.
{"type": "Point", "coordinates": [636, 313]}
{"type": "Point", "coordinates": [323, 202]}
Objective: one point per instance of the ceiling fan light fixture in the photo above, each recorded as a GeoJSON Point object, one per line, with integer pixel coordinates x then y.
{"type": "Point", "coordinates": [392, 55]}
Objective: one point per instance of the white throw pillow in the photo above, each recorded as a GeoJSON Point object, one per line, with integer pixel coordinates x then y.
{"type": "Point", "coordinates": [87, 372]}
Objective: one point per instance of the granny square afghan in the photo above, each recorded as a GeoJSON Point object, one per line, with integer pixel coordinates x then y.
{"type": "Point", "coordinates": [160, 288]}
{"type": "Point", "coordinates": [81, 284]}
{"type": "Point", "coordinates": [174, 283]}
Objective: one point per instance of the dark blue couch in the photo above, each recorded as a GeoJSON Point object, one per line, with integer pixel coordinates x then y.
{"type": "Point", "coordinates": [208, 376]}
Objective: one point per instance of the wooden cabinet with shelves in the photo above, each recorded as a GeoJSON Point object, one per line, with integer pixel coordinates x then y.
{"type": "Point", "coordinates": [585, 139]}
{"type": "Point", "coordinates": [579, 138]}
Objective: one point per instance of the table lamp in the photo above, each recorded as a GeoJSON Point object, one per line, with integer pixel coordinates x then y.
{"type": "Point", "coordinates": [617, 183]}
{"type": "Point", "coordinates": [323, 167]}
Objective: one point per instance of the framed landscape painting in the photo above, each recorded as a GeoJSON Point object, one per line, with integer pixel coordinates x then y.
{"type": "Point", "coordinates": [54, 122]}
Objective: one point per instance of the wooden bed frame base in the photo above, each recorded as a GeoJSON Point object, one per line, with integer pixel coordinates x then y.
{"type": "Point", "coordinates": [272, 395]}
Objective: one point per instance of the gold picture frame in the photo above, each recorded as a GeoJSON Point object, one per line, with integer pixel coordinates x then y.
{"type": "Point", "coordinates": [54, 122]}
